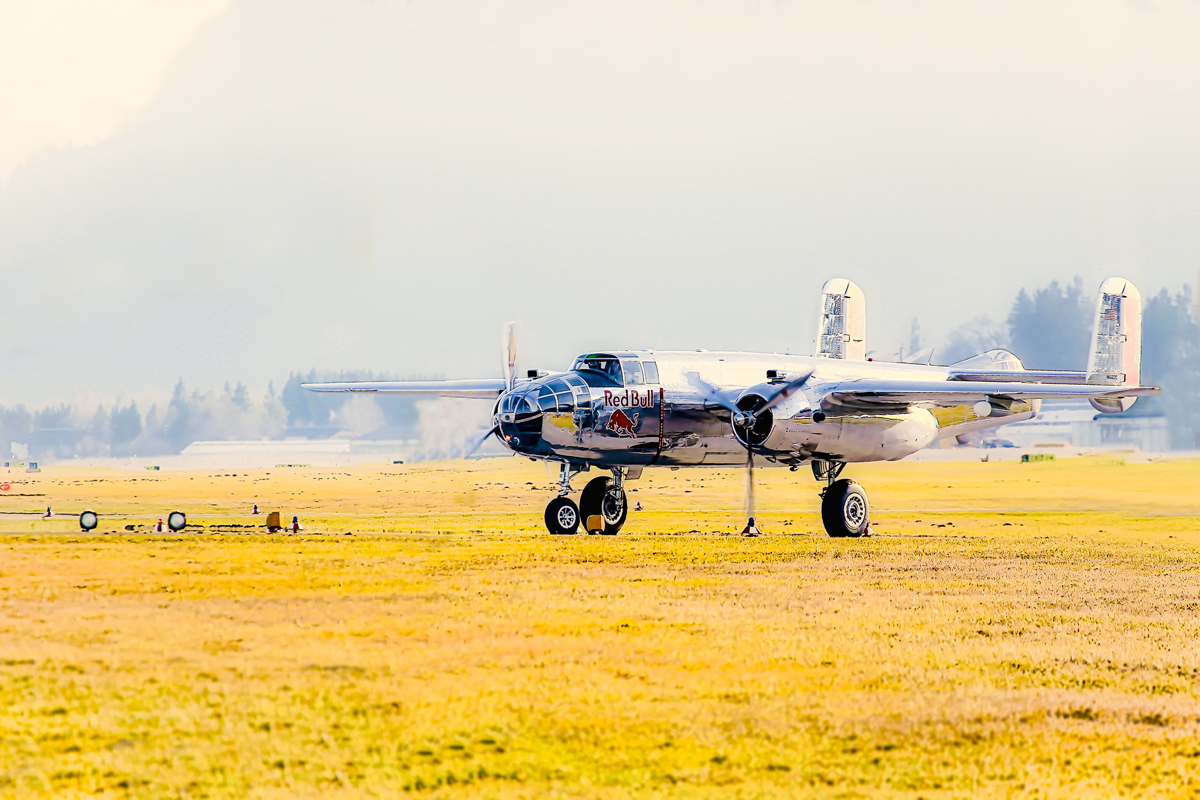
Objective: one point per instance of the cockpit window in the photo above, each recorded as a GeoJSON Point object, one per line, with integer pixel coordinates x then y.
{"type": "Point", "coordinates": [599, 369]}
{"type": "Point", "coordinates": [651, 371]}
{"type": "Point", "coordinates": [517, 404]}
{"type": "Point", "coordinates": [633, 373]}
{"type": "Point", "coordinates": [583, 395]}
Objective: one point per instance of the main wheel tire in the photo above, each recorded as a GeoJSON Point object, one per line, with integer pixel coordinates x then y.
{"type": "Point", "coordinates": [601, 498]}
{"type": "Point", "coordinates": [562, 516]}
{"type": "Point", "coordinates": [845, 510]}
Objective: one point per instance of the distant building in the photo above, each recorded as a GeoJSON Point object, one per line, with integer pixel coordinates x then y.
{"type": "Point", "coordinates": [1074, 423]}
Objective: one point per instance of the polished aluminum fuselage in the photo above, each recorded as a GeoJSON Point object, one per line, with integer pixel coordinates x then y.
{"type": "Point", "coordinates": [668, 422]}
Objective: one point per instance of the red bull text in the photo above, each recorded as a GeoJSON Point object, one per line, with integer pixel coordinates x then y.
{"type": "Point", "coordinates": [629, 399]}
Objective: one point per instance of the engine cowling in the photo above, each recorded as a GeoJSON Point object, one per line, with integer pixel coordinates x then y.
{"type": "Point", "coordinates": [760, 429]}
{"type": "Point", "coordinates": [753, 426]}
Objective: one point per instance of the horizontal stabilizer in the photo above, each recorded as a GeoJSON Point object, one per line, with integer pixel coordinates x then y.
{"type": "Point", "coordinates": [485, 389]}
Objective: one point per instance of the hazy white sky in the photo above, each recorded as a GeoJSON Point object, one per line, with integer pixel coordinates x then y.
{"type": "Point", "coordinates": [234, 190]}
{"type": "Point", "coordinates": [73, 71]}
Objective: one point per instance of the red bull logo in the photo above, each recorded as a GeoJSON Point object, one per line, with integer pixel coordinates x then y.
{"type": "Point", "coordinates": [629, 398]}
{"type": "Point", "coordinates": [622, 424]}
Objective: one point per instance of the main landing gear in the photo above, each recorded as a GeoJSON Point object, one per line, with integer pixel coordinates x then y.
{"type": "Point", "coordinates": [844, 507]}
{"type": "Point", "coordinates": [602, 505]}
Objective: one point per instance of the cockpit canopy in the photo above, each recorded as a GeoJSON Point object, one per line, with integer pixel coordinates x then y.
{"type": "Point", "coordinates": [606, 369]}
{"type": "Point", "coordinates": [557, 393]}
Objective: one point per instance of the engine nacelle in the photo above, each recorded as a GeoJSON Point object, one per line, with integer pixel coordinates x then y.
{"type": "Point", "coordinates": [851, 436]}
{"type": "Point", "coordinates": [796, 428]}
{"type": "Point", "coordinates": [883, 437]}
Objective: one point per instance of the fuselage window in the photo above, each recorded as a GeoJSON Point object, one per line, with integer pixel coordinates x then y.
{"type": "Point", "coordinates": [633, 373]}
{"type": "Point", "coordinates": [651, 371]}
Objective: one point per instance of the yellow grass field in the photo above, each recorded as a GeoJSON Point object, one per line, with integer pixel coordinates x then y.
{"type": "Point", "coordinates": [1011, 630]}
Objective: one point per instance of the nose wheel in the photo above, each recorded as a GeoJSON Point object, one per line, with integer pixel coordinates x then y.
{"type": "Point", "coordinates": [562, 516]}
{"type": "Point", "coordinates": [602, 507]}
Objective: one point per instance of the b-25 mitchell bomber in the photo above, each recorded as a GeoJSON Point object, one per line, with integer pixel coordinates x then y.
{"type": "Point", "coordinates": [625, 410]}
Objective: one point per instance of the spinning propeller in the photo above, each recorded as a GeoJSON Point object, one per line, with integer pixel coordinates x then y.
{"type": "Point", "coordinates": [508, 351]}
{"type": "Point", "coordinates": [752, 422]}
{"type": "Point", "coordinates": [508, 348]}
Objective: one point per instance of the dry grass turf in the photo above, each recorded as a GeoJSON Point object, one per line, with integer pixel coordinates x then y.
{"type": "Point", "coordinates": [1010, 630]}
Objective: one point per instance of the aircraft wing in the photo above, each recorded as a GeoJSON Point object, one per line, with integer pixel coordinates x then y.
{"type": "Point", "coordinates": [873, 393]}
{"type": "Point", "coordinates": [485, 389]}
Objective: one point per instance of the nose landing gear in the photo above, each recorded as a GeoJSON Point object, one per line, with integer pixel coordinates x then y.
{"type": "Point", "coordinates": [562, 515]}
{"type": "Point", "coordinates": [603, 503]}
{"type": "Point", "coordinates": [845, 510]}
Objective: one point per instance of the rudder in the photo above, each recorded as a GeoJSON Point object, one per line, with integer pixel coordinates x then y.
{"type": "Point", "coordinates": [1115, 358]}
{"type": "Point", "coordinates": [843, 328]}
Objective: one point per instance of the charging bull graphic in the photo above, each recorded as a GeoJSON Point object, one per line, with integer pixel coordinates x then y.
{"type": "Point", "coordinates": [622, 424]}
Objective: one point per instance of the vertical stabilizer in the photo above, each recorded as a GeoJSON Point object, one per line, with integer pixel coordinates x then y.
{"type": "Point", "coordinates": [843, 329]}
{"type": "Point", "coordinates": [1116, 354]}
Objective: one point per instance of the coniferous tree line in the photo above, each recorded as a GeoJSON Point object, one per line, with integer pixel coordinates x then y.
{"type": "Point", "coordinates": [1051, 328]}
{"type": "Point", "coordinates": [1048, 328]}
{"type": "Point", "coordinates": [123, 430]}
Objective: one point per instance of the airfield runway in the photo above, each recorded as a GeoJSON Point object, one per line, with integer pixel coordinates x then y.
{"type": "Point", "coordinates": [1010, 630]}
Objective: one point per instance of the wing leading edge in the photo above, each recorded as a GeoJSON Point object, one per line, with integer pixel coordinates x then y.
{"type": "Point", "coordinates": [485, 389]}
{"type": "Point", "coordinates": [959, 392]}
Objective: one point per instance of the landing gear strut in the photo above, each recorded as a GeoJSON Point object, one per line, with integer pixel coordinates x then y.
{"type": "Point", "coordinates": [845, 510]}
{"type": "Point", "coordinates": [603, 503]}
{"type": "Point", "coordinates": [562, 515]}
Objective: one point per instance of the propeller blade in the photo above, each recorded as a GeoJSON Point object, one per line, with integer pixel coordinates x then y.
{"type": "Point", "coordinates": [748, 486]}
{"type": "Point", "coordinates": [710, 393]}
{"type": "Point", "coordinates": [479, 442]}
{"type": "Point", "coordinates": [784, 392]}
{"type": "Point", "coordinates": [508, 346]}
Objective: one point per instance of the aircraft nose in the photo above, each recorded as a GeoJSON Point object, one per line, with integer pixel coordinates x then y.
{"type": "Point", "coordinates": [520, 421]}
